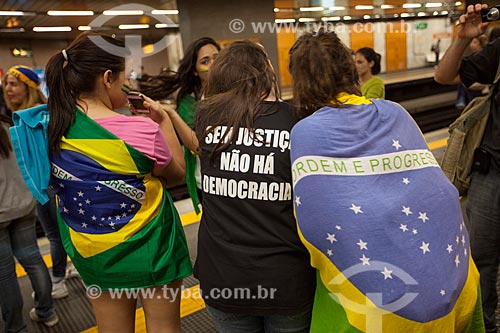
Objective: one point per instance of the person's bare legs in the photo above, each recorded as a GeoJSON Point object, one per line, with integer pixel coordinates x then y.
{"type": "Point", "coordinates": [114, 315]}
{"type": "Point", "coordinates": [162, 311]}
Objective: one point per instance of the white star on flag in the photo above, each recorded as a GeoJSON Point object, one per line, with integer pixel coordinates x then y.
{"type": "Point", "coordinates": [329, 252]}
{"type": "Point", "coordinates": [87, 201]}
{"type": "Point", "coordinates": [395, 144]}
{"type": "Point", "coordinates": [406, 181]}
{"type": "Point", "coordinates": [414, 231]}
{"type": "Point", "coordinates": [80, 194]}
{"type": "Point", "coordinates": [117, 217]}
{"type": "Point", "coordinates": [365, 260]}
{"type": "Point", "coordinates": [463, 240]}
{"type": "Point", "coordinates": [457, 261]}
{"type": "Point", "coordinates": [442, 292]}
{"type": "Point", "coordinates": [94, 218]}
{"type": "Point", "coordinates": [112, 224]}
{"type": "Point", "coordinates": [423, 216]}
{"type": "Point", "coordinates": [66, 210]}
{"type": "Point", "coordinates": [425, 247]}
{"type": "Point", "coordinates": [297, 201]}
{"type": "Point", "coordinates": [84, 225]}
{"type": "Point", "coordinates": [123, 205]}
{"type": "Point", "coordinates": [97, 188]}
{"type": "Point", "coordinates": [362, 245]}
{"type": "Point", "coordinates": [338, 227]}
{"type": "Point", "coordinates": [61, 185]}
{"type": "Point", "coordinates": [406, 210]}
{"type": "Point", "coordinates": [356, 209]}
{"type": "Point", "coordinates": [132, 206]}
{"type": "Point", "coordinates": [387, 273]}
{"type": "Point", "coordinates": [458, 239]}
{"type": "Point", "coordinates": [465, 252]}
{"type": "Point", "coordinates": [449, 248]}
{"type": "Point", "coordinates": [403, 227]}
{"type": "Point", "coordinates": [81, 211]}
{"type": "Point", "coordinates": [331, 238]}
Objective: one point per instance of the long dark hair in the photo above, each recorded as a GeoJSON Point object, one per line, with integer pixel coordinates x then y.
{"type": "Point", "coordinates": [184, 80]}
{"type": "Point", "coordinates": [5, 146]}
{"type": "Point", "coordinates": [321, 67]}
{"type": "Point", "coordinates": [88, 58]}
{"type": "Point", "coordinates": [370, 55]}
{"type": "Point", "coordinates": [240, 78]}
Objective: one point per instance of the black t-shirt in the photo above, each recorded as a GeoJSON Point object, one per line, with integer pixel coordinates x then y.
{"type": "Point", "coordinates": [250, 258]}
{"type": "Point", "coordinates": [481, 67]}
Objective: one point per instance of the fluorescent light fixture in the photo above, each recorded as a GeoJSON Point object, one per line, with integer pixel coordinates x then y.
{"type": "Point", "coordinates": [405, 15]}
{"type": "Point", "coordinates": [133, 26]}
{"type": "Point", "coordinates": [422, 14]}
{"type": "Point", "coordinates": [84, 27]}
{"type": "Point", "coordinates": [337, 8]}
{"type": "Point", "coordinates": [165, 12]}
{"type": "Point", "coordinates": [412, 5]}
{"type": "Point", "coordinates": [395, 15]}
{"type": "Point", "coordinates": [387, 6]}
{"type": "Point", "coordinates": [11, 13]}
{"type": "Point", "coordinates": [330, 18]}
{"type": "Point", "coordinates": [307, 19]}
{"type": "Point", "coordinates": [433, 4]}
{"type": "Point", "coordinates": [458, 3]}
{"type": "Point", "coordinates": [312, 9]}
{"type": "Point", "coordinates": [284, 20]}
{"type": "Point", "coordinates": [367, 17]}
{"type": "Point", "coordinates": [435, 13]}
{"type": "Point", "coordinates": [165, 25]}
{"type": "Point", "coordinates": [276, 10]}
{"type": "Point", "coordinates": [377, 16]}
{"type": "Point", "coordinates": [122, 12]}
{"type": "Point", "coordinates": [70, 13]}
{"type": "Point", "coordinates": [51, 29]}
{"type": "Point", "coordinates": [444, 12]}
{"type": "Point", "coordinates": [11, 29]}
{"type": "Point", "coordinates": [363, 7]}
{"type": "Point", "coordinates": [347, 18]}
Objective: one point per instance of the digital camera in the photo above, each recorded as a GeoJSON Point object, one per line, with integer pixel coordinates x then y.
{"type": "Point", "coordinates": [490, 14]}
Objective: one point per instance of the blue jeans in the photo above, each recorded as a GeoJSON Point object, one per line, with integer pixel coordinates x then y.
{"type": "Point", "coordinates": [226, 322]}
{"type": "Point", "coordinates": [483, 214]}
{"type": "Point", "coordinates": [18, 238]}
{"type": "Point", "coordinates": [48, 219]}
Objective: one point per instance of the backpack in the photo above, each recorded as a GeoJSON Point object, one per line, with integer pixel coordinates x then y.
{"type": "Point", "coordinates": [466, 134]}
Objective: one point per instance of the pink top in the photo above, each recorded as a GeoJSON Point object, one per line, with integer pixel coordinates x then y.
{"type": "Point", "coordinates": [141, 133]}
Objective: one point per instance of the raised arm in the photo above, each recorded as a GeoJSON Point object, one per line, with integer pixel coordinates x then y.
{"type": "Point", "coordinates": [469, 26]}
{"type": "Point", "coordinates": [175, 171]}
{"type": "Point", "coordinates": [187, 135]}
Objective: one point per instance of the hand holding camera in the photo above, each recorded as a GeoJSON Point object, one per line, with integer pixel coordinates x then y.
{"type": "Point", "coordinates": [490, 14]}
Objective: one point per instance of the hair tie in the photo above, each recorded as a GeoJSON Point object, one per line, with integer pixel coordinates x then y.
{"type": "Point", "coordinates": [65, 55]}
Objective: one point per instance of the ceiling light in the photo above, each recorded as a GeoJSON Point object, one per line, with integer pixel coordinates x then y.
{"type": "Point", "coordinates": [330, 18]}
{"type": "Point", "coordinates": [307, 19]}
{"type": "Point", "coordinates": [133, 26]}
{"type": "Point", "coordinates": [422, 14]}
{"type": "Point", "coordinates": [122, 12]}
{"type": "Point", "coordinates": [11, 13]}
{"type": "Point", "coordinates": [12, 30]}
{"type": "Point", "coordinates": [363, 7]}
{"type": "Point", "coordinates": [433, 4]}
{"type": "Point", "coordinates": [347, 18]}
{"type": "Point", "coordinates": [405, 15]}
{"type": "Point", "coordinates": [51, 29]}
{"type": "Point", "coordinates": [367, 17]}
{"type": "Point", "coordinates": [435, 13]}
{"type": "Point", "coordinates": [337, 8]}
{"type": "Point", "coordinates": [412, 5]}
{"type": "Point", "coordinates": [165, 12]}
{"type": "Point", "coordinates": [458, 3]}
{"type": "Point", "coordinates": [387, 6]}
{"type": "Point", "coordinates": [70, 13]}
{"type": "Point", "coordinates": [284, 20]}
{"type": "Point", "coordinates": [84, 27]}
{"type": "Point", "coordinates": [444, 12]}
{"type": "Point", "coordinates": [311, 9]}
{"type": "Point", "coordinates": [276, 10]}
{"type": "Point", "coordinates": [165, 25]}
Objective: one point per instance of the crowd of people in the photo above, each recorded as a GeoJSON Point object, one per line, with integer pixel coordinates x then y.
{"type": "Point", "coordinates": [313, 201]}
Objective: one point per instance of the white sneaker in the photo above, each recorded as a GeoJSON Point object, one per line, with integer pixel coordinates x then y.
{"type": "Point", "coordinates": [71, 271]}
{"type": "Point", "coordinates": [59, 289]}
{"type": "Point", "coordinates": [52, 321]}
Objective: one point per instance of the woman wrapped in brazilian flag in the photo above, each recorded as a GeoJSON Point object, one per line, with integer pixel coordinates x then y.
{"type": "Point", "coordinates": [117, 222]}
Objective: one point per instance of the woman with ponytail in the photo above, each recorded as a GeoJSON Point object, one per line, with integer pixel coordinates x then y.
{"type": "Point", "coordinates": [368, 65]}
{"type": "Point", "coordinates": [117, 222]}
{"type": "Point", "coordinates": [381, 221]}
{"type": "Point", "coordinates": [189, 82]}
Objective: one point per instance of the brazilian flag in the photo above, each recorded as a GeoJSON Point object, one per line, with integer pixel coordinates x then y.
{"type": "Point", "coordinates": [118, 224]}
